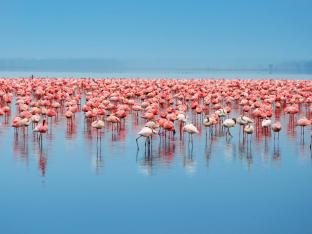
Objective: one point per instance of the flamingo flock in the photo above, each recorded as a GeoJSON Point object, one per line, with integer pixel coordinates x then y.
{"type": "Point", "coordinates": [162, 107]}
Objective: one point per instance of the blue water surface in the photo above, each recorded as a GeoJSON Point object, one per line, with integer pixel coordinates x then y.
{"type": "Point", "coordinates": [77, 183]}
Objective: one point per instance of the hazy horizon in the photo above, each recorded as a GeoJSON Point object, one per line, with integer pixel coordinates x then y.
{"type": "Point", "coordinates": [114, 65]}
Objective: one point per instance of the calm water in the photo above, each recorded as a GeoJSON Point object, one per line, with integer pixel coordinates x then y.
{"type": "Point", "coordinates": [77, 184]}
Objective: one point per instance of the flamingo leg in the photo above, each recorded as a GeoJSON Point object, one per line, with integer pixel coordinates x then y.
{"type": "Point", "coordinates": [137, 141]}
{"type": "Point", "coordinates": [229, 132]}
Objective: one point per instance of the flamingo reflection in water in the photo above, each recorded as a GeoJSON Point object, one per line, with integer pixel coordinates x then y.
{"type": "Point", "coordinates": [208, 151]}
{"type": "Point", "coordinates": [164, 103]}
{"type": "Point", "coordinates": [276, 153]}
{"type": "Point", "coordinates": [98, 159]}
{"type": "Point", "coordinates": [188, 160]}
{"type": "Point", "coordinates": [42, 163]}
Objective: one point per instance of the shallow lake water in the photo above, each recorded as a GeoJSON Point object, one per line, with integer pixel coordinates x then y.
{"type": "Point", "coordinates": [76, 183]}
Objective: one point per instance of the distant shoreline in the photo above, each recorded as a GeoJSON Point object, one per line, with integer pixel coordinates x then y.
{"type": "Point", "coordinates": [161, 74]}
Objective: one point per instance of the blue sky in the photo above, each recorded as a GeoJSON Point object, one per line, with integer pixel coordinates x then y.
{"type": "Point", "coordinates": [217, 32]}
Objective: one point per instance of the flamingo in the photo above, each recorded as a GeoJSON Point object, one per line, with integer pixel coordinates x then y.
{"type": "Point", "coordinates": [98, 125]}
{"type": "Point", "coordinates": [51, 113]}
{"type": "Point", "coordinates": [152, 124]}
{"type": "Point", "coordinates": [303, 122]}
{"type": "Point", "coordinates": [190, 129]}
{"type": "Point", "coordinates": [249, 129]}
{"type": "Point", "coordinates": [69, 117]}
{"type": "Point", "coordinates": [113, 120]}
{"type": "Point", "coordinates": [16, 123]}
{"type": "Point", "coordinates": [209, 122]}
{"type": "Point", "coordinates": [181, 117]}
{"type": "Point", "coordinates": [243, 121]}
{"type": "Point", "coordinates": [35, 119]}
{"type": "Point", "coordinates": [266, 123]}
{"type": "Point", "coordinates": [41, 129]}
{"type": "Point", "coordinates": [276, 128]}
{"type": "Point", "coordinates": [25, 122]}
{"type": "Point", "coordinates": [229, 123]}
{"type": "Point", "coordinates": [160, 102]}
{"type": "Point", "coordinates": [146, 132]}
{"type": "Point", "coordinates": [221, 113]}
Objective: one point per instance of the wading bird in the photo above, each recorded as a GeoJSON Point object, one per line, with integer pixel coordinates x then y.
{"type": "Point", "coordinates": [229, 123]}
